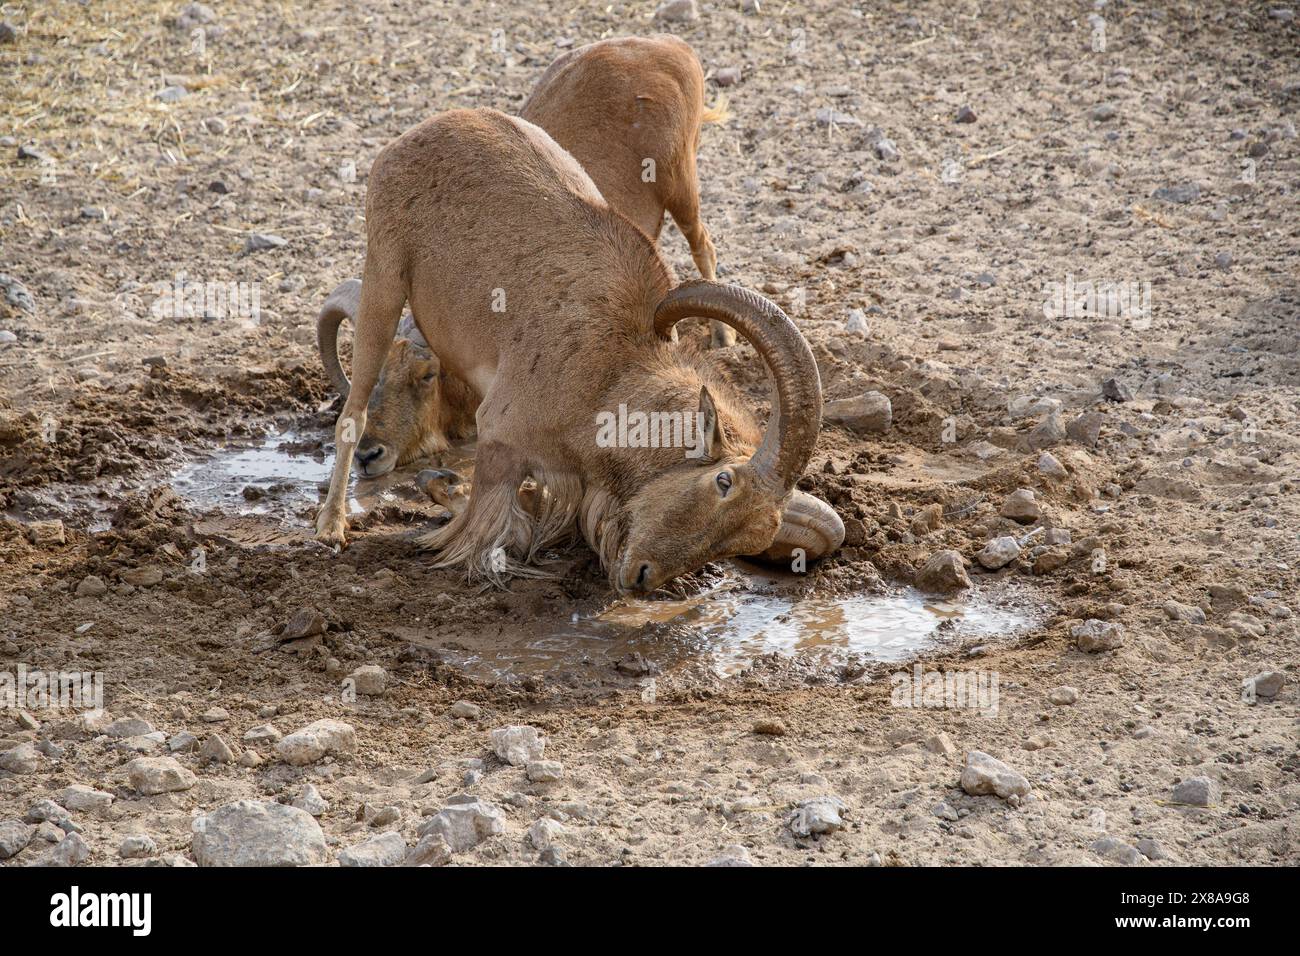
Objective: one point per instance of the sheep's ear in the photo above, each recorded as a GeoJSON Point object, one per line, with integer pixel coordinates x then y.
{"type": "Point", "coordinates": [711, 433]}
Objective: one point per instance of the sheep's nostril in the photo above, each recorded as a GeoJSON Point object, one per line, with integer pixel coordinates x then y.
{"type": "Point", "coordinates": [370, 453]}
{"type": "Point", "coordinates": [643, 575]}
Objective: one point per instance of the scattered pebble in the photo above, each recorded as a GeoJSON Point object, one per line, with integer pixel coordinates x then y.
{"type": "Point", "coordinates": [868, 413]}
{"type": "Point", "coordinates": [545, 771]}
{"type": "Point", "coordinates": [314, 741]}
{"type": "Point", "coordinates": [943, 573]}
{"type": "Point", "coordinates": [998, 553]}
{"type": "Point", "coordinates": [257, 833]}
{"type": "Point", "coordinates": [1021, 506]}
{"type": "Point", "coordinates": [1094, 636]}
{"type": "Point", "coordinates": [311, 801]}
{"type": "Point", "coordinates": [818, 816]}
{"type": "Point", "coordinates": [517, 745]}
{"type": "Point", "coordinates": [154, 775]}
{"type": "Point", "coordinates": [1197, 792]}
{"type": "Point", "coordinates": [465, 825]}
{"type": "Point", "coordinates": [1064, 696]}
{"type": "Point", "coordinates": [464, 710]}
{"type": "Point", "coordinates": [386, 849]}
{"type": "Point", "coordinates": [984, 775]}
{"type": "Point", "coordinates": [370, 680]}
{"type": "Point", "coordinates": [137, 847]}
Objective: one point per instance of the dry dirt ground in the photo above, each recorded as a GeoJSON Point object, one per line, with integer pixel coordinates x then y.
{"type": "Point", "coordinates": [1164, 155]}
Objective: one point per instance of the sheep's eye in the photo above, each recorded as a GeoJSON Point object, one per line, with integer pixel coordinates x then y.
{"type": "Point", "coordinates": [429, 378]}
{"type": "Point", "coordinates": [724, 482]}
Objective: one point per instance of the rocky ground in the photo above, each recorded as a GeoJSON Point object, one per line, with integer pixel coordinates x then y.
{"type": "Point", "coordinates": [913, 183]}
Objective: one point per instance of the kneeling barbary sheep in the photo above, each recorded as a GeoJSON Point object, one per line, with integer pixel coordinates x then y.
{"type": "Point", "coordinates": [556, 309]}
{"type": "Point", "coordinates": [630, 111]}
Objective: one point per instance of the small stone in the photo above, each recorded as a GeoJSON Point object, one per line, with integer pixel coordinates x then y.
{"type": "Point", "coordinates": [14, 837]}
{"type": "Point", "coordinates": [1116, 391]}
{"type": "Point", "coordinates": [216, 750]}
{"type": "Point", "coordinates": [1268, 684]}
{"type": "Point", "coordinates": [154, 775]}
{"type": "Point", "coordinates": [82, 799]}
{"type": "Point", "coordinates": [941, 744]}
{"type": "Point", "coordinates": [545, 832]}
{"type": "Point", "coordinates": [27, 722]}
{"type": "Point", "coordinates": [964, 115]}
{"type": "Point", "coordinates": [370, 680]}
{"type": "Point", "coordinates": [387, 849]}
{"type": "Point", "coordinates": [45, 534]}
{"type": "Point", "coordinates": [182, 742]}
{"type": "Point", "coordinates": [432, 850]}
{"type": "Point", "coordinates": [1063, 696]}
{"type": "Point", "coordinates": [1086, 428]}
{"type": "Point", "coordinates": [818, 816]}
{"type": "Point", "coordinates": [1037, 742]}
{"type": "Point", "coordinates": [1103, 112]}
{"type": "Point", "coordinates": [1094, 636]}
{"type": "Point", "coordinates": [257, 833]}
{"type": "Point", "coordinates": [250, 759]}
{"type": "Point", "coordinates": [311, 801]}
{"type": "Point", "coordinates": [1051, 466]}
{"type": "Point", "coordinates": [137, 847]}
{"type": "Point", "coordinates": [43, 811]}
{"type": "Point", "coordinates": [1223, 261]}
{"type": "Point", "coordinates": [91, 586]}
{"type": "Point", "coordinates": [678, 11]}
{"type": "Point", "coordinates": [943, 573]}
{"type": "Point", "coordinates": [263, 735]}
{"type": "Point", "coordinates": [464, 710]}
{"type": "Point", "coordinates": [868, 413]}
{"type": "Point", "coordinates": [1048, 433]}
{"type": "Point", "coordinates": [465, 825]}
{"type": "Point", "coordinates": [727, 76]}
{"type": "Point", "coordinates": [545, 771]}
{"type": "Point", "coordinates": [856, 324]}
{"type": "Point", "coordinates": [215, 715]}
{"type": "Point", "coordinates": [553, 856]}
{"type": "Point", "coordinates": [517, 745]}
{"type": "Point", "coordinates": [171, 94]}
{"type": "Point", "coordinates": [145, 577]}
{"type": "Point", "coordinates": [1182, 193]}
{"type": "Point", "coordinates": [316, 740]}
{"type": "Point", "coordinates": [944, 812]}
{"type": "Point", "coordinates": [733, 855]}
{"type": "Point", "coordinates": [1188, 613]}
{"type": "Point", "coordinates": [1152, 849]}
{"type": "Point", "coordinates": [998, 553]}
{"type": "Point", "coordinates": [129, 727]}
{"type": "Point", "coordinates": [1117, 851]}
{"type": "Point", "coordinates": [72, 850]}
{"type": "Point", "coordinates": [22, 759]}
{"type": "Point", "coordinates": [984, 775]}
{"type": "Point", "coordinates": [769, 728]}
{"type": "Point", "coordinates": [258, 241]}
{"type": "Point", "coordinates": [1021, 506]}
{"type": "Point", "coordinates": [1197, 792]}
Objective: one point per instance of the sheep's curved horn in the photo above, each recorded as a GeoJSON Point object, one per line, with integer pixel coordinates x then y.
{"type": "Point", "coordinates": [807, 523]}
{"type": "Point", "coordinates": [797, 412]}
{"type": "Point", "coordinates": [342, 304]}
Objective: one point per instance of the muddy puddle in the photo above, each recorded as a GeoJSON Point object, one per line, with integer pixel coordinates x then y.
{"type": "Point", "coordinates": [265, 492]}
{"type": "Point", "coordinates": [281, 479]}
{"type": "Point", "coordinates": [742, 618]}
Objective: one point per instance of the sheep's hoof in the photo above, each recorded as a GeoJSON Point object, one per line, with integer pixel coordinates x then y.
{"type": "Point", "coordinates": [331, 530]}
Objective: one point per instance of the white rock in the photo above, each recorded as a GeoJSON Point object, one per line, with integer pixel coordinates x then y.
{"type": "Point", "coordinates": [1267, 684]}
{"type": "Point", "coordinates": [545, 771]}
{"type": "Point", "coordinates": [545, 832]}
{"type": "Point", "coordinates": [464, 710]}
{"type": "Point", "coordinates": [315, 741]}
{"type": "Point", "coordinates": [153, 775]}
{"type": "Point", "coordinates": [311, 801]}
{"type": "Point", "coordinates": [262, 735]}
{"type": "Point", "coordinates": [1051, 466]}
{"type": "Point", "coordinates": [432, 850]}
{"type": "Point", "coordinates": [1063, 696]}
{"type": "Point", "coordinates": [984, 775]}
{"type": "Point", "coordinates": [22, 759]}
{"type": "Point", "coordinates": [387, 849]}
{"type": "Point", "coordinates": [733, 855]}
{"type": "Point", "coordinates": [257, 833]}
{"type": "Point", "coordinates": [465, 825]}
{"type": "Point", "coordinates": [820, 815]}
{"type": "Point", "coordinates": [1021, 506]}
{"type": "Point", "coordinates": [516, 745]}
{"type": "Point", "coordinates": [370, 680]}
{"type": "Point", "coordinates": [136, 847]}
{"type": "Point", "coordinates": [80, 798]}
{"type": "Point", "coordinates": [998, 553]}
{"type": "Point", "coordinates": [1094, 636]}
